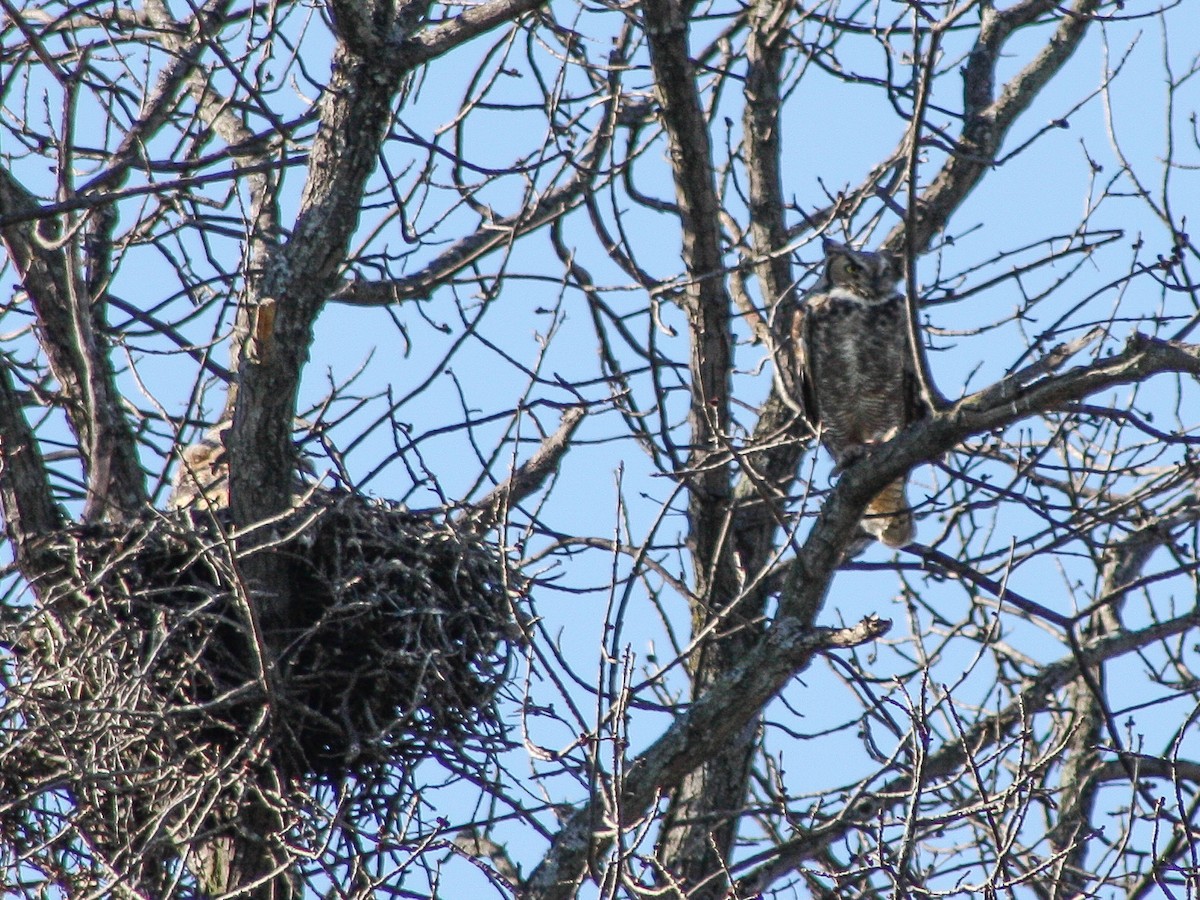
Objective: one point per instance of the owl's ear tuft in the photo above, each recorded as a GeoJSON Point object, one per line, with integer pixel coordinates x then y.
{"type": "Point", "coordinates": [834, 248]}
{"type": "Point", "coordinates": [895, 263]}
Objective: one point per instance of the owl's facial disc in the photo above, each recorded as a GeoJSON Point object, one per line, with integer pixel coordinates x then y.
{"type": "Point", "coordinates": [872, 276]}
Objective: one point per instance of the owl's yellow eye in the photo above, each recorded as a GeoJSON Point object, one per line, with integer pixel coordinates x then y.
{"type": "Point", "coordinates": [852, 268]}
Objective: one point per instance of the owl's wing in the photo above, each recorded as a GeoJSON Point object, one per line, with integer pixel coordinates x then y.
{"type": "Point", "coordinates": [915, 405]}
{"type": "Point", "coordinates": [805, 371]}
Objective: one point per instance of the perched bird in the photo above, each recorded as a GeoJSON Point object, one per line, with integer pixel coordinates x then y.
{"type": "Point", "coordinates": [202, 479]}
{"type": "Point", "coordinates": [853, 372]}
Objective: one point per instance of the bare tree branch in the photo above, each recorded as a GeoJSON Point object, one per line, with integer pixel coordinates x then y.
{"type": "Point", "coordinates": [528, 477]}
{"type": "Point", "coordinates": [783, 651]}
{"type": "Point", "coordinates": [692, 846]}
{"type": "Point", "coordinates": [26, 502]}
{"type": "Point", "coordinates": [612, 641]}
{"type": "Point", "coordinates": [952, 756]}
{"type": "Point", "coordinates": [988, 116]}
{"type": "Point", "coordinates": [705, 728]}
{"type": "Point", "coordinates": [73, 340]}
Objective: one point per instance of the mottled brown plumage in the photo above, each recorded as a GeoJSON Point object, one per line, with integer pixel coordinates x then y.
{"type": "Point", "coordinates": [855, 373]}
{"type": "Point", "coordinates": [202, 479]}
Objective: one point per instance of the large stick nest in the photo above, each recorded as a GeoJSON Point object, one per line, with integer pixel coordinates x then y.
{"type": "Point", "coordinates": [146, 656]}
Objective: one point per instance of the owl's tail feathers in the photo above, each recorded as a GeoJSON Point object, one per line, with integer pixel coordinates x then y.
{"type": "Point", "coordinates": [888, 516]}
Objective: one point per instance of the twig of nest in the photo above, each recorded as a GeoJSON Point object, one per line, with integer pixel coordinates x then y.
{"type": "Point", "coordinates": [139, 657]}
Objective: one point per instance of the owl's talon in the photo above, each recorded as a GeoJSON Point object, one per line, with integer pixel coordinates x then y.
{"type": "Point", "coordinates": [849, 456]}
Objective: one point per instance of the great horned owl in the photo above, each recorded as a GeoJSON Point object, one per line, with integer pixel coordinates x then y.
{"type": "Point", "coordinates": [202, 479]}
{"type": "Point", "coordinates": [853, 370]}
